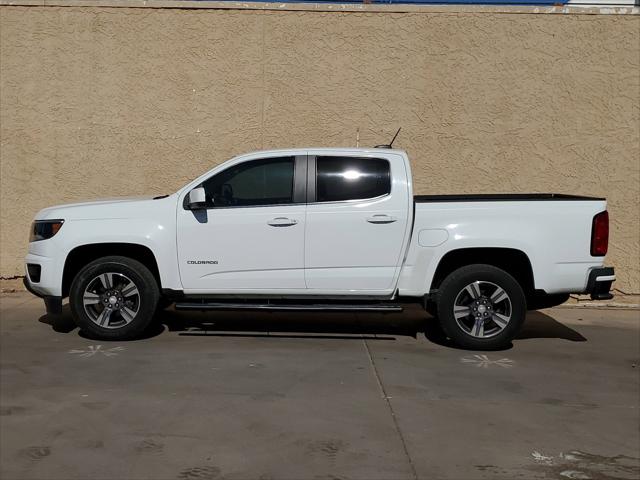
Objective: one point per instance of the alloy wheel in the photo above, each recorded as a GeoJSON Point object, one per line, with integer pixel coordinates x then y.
{"type": "Point", "coordinates": [482, 309]}
{"type": "Point", "coordinates": [111, 300]}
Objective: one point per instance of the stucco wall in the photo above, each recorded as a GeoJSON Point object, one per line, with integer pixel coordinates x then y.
{"type": "Point", "coordinates": [99, 102]}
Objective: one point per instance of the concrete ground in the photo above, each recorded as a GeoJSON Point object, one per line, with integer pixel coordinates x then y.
{"type": "Point", "coordinates": [318, 396]}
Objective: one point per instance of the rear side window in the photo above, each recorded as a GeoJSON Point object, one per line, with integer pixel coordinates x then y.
{"type": "Point", "coordinates": [253, 183]}
{"type": "Point", "coordinates": [348, 178]}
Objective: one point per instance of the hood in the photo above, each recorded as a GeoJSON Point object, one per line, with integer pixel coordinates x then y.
{"type": "Point", "coordinates": [118, 207]}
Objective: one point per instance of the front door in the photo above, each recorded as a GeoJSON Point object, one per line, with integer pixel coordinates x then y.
{"type": "Point", "coordinates": [250, 236]}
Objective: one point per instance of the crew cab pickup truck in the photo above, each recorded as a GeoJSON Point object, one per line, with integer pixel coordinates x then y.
{"type": "Point", "coordinates": [320, 229]}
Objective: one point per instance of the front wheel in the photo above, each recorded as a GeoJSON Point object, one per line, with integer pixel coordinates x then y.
{"type": "Point", "coordinates": [113, 298]}
{"type": "Point", "coordinates": [481, 307]}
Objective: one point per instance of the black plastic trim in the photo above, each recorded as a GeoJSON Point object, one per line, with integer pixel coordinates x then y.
{"type": "Point", "coordinates": [502, 197]}
{"type": "Point", "coordinates": [600, 290]}
{"type": "Point", "coordinates": [51, 303]}
{"type": "Point", "coordinates": [34, 271]}
{"type": "Point", "coordinates": [172, 294]}
{"type": "Point", "coordinates": [383, 308]}
{"type": "Point", "coordinates": [311, 178]}
{"type": "Point", "coordinates": [300, 180]}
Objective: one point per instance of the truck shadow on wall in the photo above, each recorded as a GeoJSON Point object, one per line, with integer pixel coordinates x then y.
{"type": "Point", "coordinates": [413, 322]}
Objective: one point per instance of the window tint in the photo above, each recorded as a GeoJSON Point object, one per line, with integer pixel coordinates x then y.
{"type": "Point", "coordinates": [254, 183]}
{"type": "Point", "coordinates": [347, 178]}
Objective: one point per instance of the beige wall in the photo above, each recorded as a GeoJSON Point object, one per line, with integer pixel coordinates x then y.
{"type": "Point", "coordinates": [98, 102]}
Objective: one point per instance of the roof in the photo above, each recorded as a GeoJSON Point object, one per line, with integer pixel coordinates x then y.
{"type": "Point", "coordinates": [320, 150]}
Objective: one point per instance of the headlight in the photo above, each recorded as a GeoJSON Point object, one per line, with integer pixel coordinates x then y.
{"type": "Point", "coordinates": [44, 229]}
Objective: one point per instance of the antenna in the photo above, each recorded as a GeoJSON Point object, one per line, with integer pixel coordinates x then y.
{"type": "Point", "coordinates": [390, 145]}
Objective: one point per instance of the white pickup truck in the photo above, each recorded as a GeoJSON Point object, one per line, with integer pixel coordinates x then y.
{"type": "Point", "coordinates": [319, 229]}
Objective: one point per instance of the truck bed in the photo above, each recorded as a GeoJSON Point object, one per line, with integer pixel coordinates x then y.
{"type": "Point", "coordinates": [500, 197]}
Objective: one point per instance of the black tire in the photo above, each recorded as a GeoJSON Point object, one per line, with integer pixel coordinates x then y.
{"type": "Point", "coordinates": [146, 298]}
{"type": "Point", "coordinates": [453, 288]}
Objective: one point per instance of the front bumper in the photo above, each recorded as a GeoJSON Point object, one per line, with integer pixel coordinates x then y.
{"type": "Point", "coordinates": [52, 304]}
{"type": "Point", "coordinates": [599, 283]}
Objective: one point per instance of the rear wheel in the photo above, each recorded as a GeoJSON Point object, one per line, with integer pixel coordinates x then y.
{"type": "Point", "coordinates": [113, 298]}
{"type": "Point", "coordinates": [481, 307]}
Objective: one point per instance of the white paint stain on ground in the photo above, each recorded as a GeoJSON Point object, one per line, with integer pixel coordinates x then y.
{"type": "Point", "coordinates": [539, 457]}
{"type": "Point", "coordinates": [92, 350]}
{"type": "Point", "coordinates": [578, 465]}
{"type": "Point", "coordinates": [483, 361]}
{"type": "Point", "coordinates": [575, 475]}
{"type": "Point", "coordinates": [569, 456]}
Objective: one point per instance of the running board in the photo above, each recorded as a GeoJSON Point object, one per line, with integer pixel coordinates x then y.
{"type": "Point", "coordinates": [381, 308]}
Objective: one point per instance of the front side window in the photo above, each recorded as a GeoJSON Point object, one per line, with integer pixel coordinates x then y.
{"type": "Point", "coordinates": [348, 178]}
{"type": "Point", "coordinates": [255, 183]}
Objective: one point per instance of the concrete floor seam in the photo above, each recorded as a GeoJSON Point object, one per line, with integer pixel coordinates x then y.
{"type": "Point", "coordinates": [390, 407]}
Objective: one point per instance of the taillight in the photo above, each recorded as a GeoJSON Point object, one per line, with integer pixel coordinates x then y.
{"type": "Point", "coordinates": [600, 234]}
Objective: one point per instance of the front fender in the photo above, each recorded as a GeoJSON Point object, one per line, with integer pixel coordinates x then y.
{"type": "Point", "coordinates": [158, 236]}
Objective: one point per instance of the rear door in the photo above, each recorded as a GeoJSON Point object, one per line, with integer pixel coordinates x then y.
{"type": "Point", "coordinates": [356, 224]}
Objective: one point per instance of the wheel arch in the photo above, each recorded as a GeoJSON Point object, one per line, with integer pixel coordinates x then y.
{"type": "Point", "coordinates": [511, 260]}
{"type": "Point", "coordinates": [81, 255]}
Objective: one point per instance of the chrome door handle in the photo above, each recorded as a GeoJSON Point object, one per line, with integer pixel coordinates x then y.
{"type": "Point", "coordinates": [381, 219]}
{"type": "Point", "coordinates": [282, 222]}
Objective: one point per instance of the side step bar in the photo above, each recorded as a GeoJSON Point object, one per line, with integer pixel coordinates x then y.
{"type": "Point", "coordinates": [382, 308]}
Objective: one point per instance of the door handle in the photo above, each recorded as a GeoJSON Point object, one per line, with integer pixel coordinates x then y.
{"type": "Point", "coordinates": [381, 219]}
{"type": "Point", "coordinates": [282, 222]}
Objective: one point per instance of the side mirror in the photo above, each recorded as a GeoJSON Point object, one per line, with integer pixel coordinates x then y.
{"type": "Point", "coordinates": [197, 199]}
